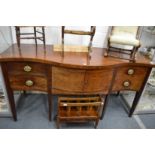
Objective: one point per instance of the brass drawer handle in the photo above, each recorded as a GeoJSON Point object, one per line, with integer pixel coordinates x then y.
{"type": "Point", "coordinates": [29, 83]}
{"type": "Point", "coordinates": [27, 68]}
{"type": "Point", "coordinates": [126, 84]}
{"type": "Point", "coordinates": [131, 72]}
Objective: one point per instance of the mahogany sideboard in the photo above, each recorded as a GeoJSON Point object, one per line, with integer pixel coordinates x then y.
{"type": "Point", "coordinates": [38, 69]}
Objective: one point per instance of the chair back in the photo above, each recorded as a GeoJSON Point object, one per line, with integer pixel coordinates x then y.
{"type": "Point", "coordinates": [91, 33]}
{"type": "Point", "coordinates": [130, 30]}
{"type": "Point", "coordinates": [76, 32]}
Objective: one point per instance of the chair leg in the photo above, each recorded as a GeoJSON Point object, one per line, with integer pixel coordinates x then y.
{"type": "Point", "coordinates": [131, 55]}
{"type": "Point", "coordinates": [58, 123]}
{"type": "Point", "coordinates": [35, 35]}
{"type": "Point", "coordinates": [133, 59]}
{"type": "Point", "coordinates": [18, 36]}
{"type": "Point", "coordinates": [107, 51]}
{"type": "Point", "coordinates": [62, 37]}
{"type": "Point", "coordinates": [43, 31]}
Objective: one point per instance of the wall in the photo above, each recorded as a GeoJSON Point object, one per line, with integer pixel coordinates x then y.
{"type": "Point", "coordinates": [147, 39]}
{"type": "Point", "coordinates": [5, 38]}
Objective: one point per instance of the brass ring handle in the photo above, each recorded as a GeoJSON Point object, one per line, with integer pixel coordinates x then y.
{"type": "Point", "coordinates": [27, 68]}
{"type": "Point", "coordinates": [131, 72]}
{"type": "Point", "coordinates": [29, 83]}
{"type": "Point", "coordinates": [126, 84]}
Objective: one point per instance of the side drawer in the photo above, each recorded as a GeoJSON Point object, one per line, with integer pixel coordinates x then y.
{"type": "Point", "coordinates": [129, 78]}
{"type": "Point", "coordinates": [26, 68]}
{"type": "Point", "coordinates": [28, 83]}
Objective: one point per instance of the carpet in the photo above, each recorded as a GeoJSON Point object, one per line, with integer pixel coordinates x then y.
{"type": "Point", "coordinates": [32, 113]}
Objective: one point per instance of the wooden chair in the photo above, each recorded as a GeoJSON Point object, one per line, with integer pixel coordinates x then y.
{"type": "Point", "coordinates": [80, 109]}
{"type": "Point", "coordinates": [123, 41]}
{"type": "Point", "coordinates": [32, 35]}
{"type": "Point", "coordinates": [91, 33]}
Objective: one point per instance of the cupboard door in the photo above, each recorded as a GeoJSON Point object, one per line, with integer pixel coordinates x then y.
{"type": "Point", "coordinates": [98, 81]}
{"type": "Point", "coordinates": [67, 80]}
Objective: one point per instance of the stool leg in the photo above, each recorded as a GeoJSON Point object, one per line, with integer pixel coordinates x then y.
{"type": "Point", "coordinates": [96, 123]}
{"type": "Point", "coordinates": [58, 123]}
{"type": "Point", "coordinates": [35, 35]}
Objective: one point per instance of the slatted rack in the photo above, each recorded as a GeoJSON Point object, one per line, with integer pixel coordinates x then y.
{"type": "Point", "coordinates": [80, 109]}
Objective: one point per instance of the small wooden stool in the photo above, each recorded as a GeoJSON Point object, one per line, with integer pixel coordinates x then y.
{"type": "Point", "coordinates": [80, 109]}
{"type": "Point", "coordinates": [33, 35]}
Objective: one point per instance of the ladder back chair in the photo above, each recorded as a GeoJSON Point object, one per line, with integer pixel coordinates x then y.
{"type": "Point", "coordinates": [36, 34]}
{"type": "Point", "coordinates": [91, 33]}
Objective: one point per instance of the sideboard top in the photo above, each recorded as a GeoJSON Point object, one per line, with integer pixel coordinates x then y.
{"type": "Point", "coordinates": [29, 52]}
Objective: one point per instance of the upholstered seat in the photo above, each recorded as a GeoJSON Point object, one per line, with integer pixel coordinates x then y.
{"type": "Point", "coordinates": [124, 39]}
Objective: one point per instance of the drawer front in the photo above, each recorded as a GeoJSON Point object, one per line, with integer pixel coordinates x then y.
{"type": "Point", "coordinates": [129, 78]}
{"type": "Point", "coordinates": [28, 68]}
{"type": "Point", "coordinates": [98, 80]}
{"type": "Point", "coordinates": [28, 83]}
{"type": "Point", "coordinates": [68, 80]}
